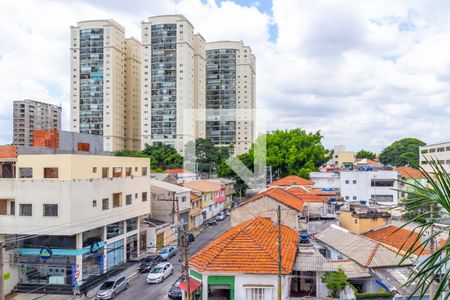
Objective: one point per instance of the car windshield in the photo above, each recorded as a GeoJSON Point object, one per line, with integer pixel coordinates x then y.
{"type": "Point", "coordinates": [157, 270]}
{"type": "Point", "coordinates": [164, 251]}
{"type": "Point", "coordinates": [107, 285]}
{"type": "Point", "coordinates": [177, 283]}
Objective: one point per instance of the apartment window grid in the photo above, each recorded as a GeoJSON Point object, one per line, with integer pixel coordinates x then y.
{"type": "Point", "coordinates": [91, 81]}
{"type": "Point", "coordinates": [163, 81]}
{"type": "Point", "coordinates": [221, 96]}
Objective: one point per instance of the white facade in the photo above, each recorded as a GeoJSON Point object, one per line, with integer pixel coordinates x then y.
{"type": "Point", "coordinates": [369, 185]}
{"type": "Point", "coordinates": [326, 180]}
{"type": "Point", "coordinates": [163, 209]}
{"type": "Point", "coordinates": [167, 82]}
{"type": "Point", "coordinates": [439, 152]}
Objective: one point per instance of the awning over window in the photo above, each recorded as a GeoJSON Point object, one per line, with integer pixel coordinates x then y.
{"type": "Point", "coordinates": [193, 284]}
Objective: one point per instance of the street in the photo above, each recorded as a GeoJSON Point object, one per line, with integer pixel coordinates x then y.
{"type": "Point", "coordinates": [139, 289]}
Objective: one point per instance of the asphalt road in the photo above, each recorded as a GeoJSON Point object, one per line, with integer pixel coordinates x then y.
{"type": "Point", "coordinates": [139, 289]}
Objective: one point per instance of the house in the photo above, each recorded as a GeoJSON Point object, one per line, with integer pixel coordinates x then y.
{"type": "Point", "coordinates": [292, 180]}
{"type": "Point", "coordinates": [228, 185]}
{"type": "Point", "coordinates": [182, 175]}
{"type": "Point", "coordinates": [166, 177]}
{"type": "Point", "coordinates": [359, 218]}
{"type": "Point", "coordinates": [213, 196]}
{"type": "Point", "coordinates": [409, 177]}
{"type": "Point", "coordinates": [170, 202]}
{"type": "Point", "coordinates": [242, 263]}
{"type": "Point", "coordinates": [195, 214]}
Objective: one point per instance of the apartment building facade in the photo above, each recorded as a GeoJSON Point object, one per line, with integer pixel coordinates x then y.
{"type": "Point", "coordinates": [439, 152]}
{"type": "Point", "coordinates": [230, 94]}
{"type": "Point", "coordinates": [30, 115]}
{"type": "Point", "coordinates": [69, 218]}
{"type": "Point", "coordinates": [168, 87]}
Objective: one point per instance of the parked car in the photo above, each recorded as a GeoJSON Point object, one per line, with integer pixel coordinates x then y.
{"type": "Point", "coordinates": [159, 273]}
{"type": "Point", "coordinates": [189, 238]}
{"type": "Point", "coordinates": [212, 221]}
{"type": "Point", "coordinates": [168, 252]}
{"type": "Point", "coordinates": [146, 264]}
{"type": "Point", "coordinates": [221, 216]}
{"type": "Point", "coordinates": [111, 287]}
{"type": "Point", "coordinates": [175, 291]}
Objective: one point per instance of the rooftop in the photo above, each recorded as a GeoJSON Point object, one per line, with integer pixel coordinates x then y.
{"type": "Point", "coordinates": [203, 186]}
{"type": "Point", "coordinates": [168, 186]}
{"type": "Point", "coordinates": [279, 195]}
{"type": "Point", "coordinates": [292, 180]}
{"type": "Point", "coordinates": [250, 247]}
{"type": "Point", "coordinates": [408, 172]}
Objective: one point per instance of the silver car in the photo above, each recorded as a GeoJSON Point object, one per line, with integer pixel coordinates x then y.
{"type": "Point", "coordinates": [167, 252]}
{"type": "Point", "coordinates": [111, 287]}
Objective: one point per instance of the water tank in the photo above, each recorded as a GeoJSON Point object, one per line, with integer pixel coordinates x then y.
{"type": "Point", "coordinates": [304, 237]}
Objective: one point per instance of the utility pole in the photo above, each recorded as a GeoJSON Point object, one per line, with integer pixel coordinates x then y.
{"type": "Point", "coordinates": [2, 282]}
{"type": "Point", "coordinates": [279, 251]}
{"type": "Point", "coordinates": [184, 256]}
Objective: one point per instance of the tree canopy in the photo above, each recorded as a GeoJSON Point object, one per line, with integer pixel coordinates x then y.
{"type": "Point", "coordinates": [210, 156]}
{"type": "Point", "coordinates": [402, 152]}
{"type": "Point", "coordinates": [335, 282]}
{"type": "Point", "coordinates": [162, 156]}
{"type": "Point", "coordinates": [365, 154]}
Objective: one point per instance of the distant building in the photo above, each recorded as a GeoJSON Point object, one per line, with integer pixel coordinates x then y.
{"type": "Point", "coordinates": [30, 115]}
{"type": "Point", "coordinates": [439, 152]}
{"type": "Point", "coordinates": [409, 177]}
{"type": "Point", "coordinates": [360, 219]}
{"type": "Point", "coordinates": [212, 195]}
{"type": "Point", "coordinates": [343, 158]}
{"type": "Point", "coordinates": [182, 175]}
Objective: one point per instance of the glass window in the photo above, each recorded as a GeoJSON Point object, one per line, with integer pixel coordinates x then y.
{"type": "Point", "coordinates": [114, 229]}
{"type": "Point", "coordinates": [354, 181]}
{"type": "Point", "coordinates": [183, 199]}
{"type": "Point", "coordinates": [50, 172]}
{"type": "Point", "coordinates": [144, 196]}
{"type": "Point", "coordinates": [128, 171]}
{"type": "Point", "coordinates": [94, 203]}
{"type": "Point", "coordinates": [25, 209]}
{"type": "Point", "coordinates": [132, 224]}
{"type": "Point", "coordinates": [383, 198]}
{"type": "Point", "coordinates": [128, 200]}
{"type": "Point", "coordinates": [26, 172]}
{"type": "Point", "coordinates": [255, 294]}
{"type": "Point", "coordinates": [105, 203]}
{"type": "Point", "coordinates": [144, 171]}
{"type": "Point", "coordinates": [94, 170]}
{"type": "Point", "coordinates": [347, 182]}
{"type": "Point", "coordinates": [117, 200]}
{"type": "Point", "coordinates": [105, 172]}
{"type": "Point", "coordinates": [382, 182]}
{"type": "Point", "coordinates": [115, 254]}
{"type": "Point", "coordinates": [117, 172]}
{"type": "Point", "coordinates": [50, 210]}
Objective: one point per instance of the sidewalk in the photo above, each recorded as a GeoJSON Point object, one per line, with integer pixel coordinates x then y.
{"type": "Point", "coordinates": [129, 273]}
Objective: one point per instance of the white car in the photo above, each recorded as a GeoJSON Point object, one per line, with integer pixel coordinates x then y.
{"type": "Point", "coordinates": [159, 273]}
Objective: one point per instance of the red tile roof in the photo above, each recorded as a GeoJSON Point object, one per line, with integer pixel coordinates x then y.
{"type": "Point", "coordinates": [250, 247]}
{"type": "Point", "coordinates": [280, 195]}
{"type": "Point", "coordinates": [292, 180]}
{"type": "Point", "coordinates": [408, 172]}
{"type": "Point", "coordinates": [176, 171]}
{"type": "Point", "coordinates": [389, 236]}
{"type": "Point", "coordinates": [203, 186]}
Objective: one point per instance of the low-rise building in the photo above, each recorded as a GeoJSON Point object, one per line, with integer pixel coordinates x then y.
{"type": "Point", "coordinates": [213, 197]}
{"type": "Point", "coordinates": [362, 218]}
{"type": "Point", "coordinates": [182, 175]}
{"type": "Point", "coordinates": [69, 218]}
{"type": "Point", "coordinates": [409, 178]}
{"type": "Point", "coordinates": [228, 185]}
{"type": "Point", "coordinates": [292, 180]}
{"type": "Point", "coordinates": [242, 263]}
{"type": "Point", "coordinates": [195, 214]}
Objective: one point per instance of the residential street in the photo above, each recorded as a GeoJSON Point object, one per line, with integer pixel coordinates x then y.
{"type": "Point", "coordinates": [139, 289]}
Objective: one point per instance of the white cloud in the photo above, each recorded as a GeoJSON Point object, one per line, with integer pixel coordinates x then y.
{"type": "Point", "coordinates": [365, 73]}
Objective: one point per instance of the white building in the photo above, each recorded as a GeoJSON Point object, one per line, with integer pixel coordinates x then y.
{"type": "Point", "coordinates": [70, 218]}
{"type": "Point", "coordinates": [439, 152]}
{"type": "Point", "coordinates": [354, 185]}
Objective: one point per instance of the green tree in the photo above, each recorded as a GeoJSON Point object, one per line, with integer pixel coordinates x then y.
{"type": "Point", "coordinates": [209, 156]}
{"type": "Point", "coordinates": [432, 200]}
{"type": "Point", "coordinates": [403, 152]}
{"type": "Point", "coordinates": [335, 282]}
{"type": "Point", "coordinates": [162, 156]}
{"type": "Point", "coordinates": [365, 154]}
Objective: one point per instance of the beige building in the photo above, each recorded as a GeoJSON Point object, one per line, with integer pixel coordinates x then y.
{"type": "Point", "coordinates": [168, 86]}
{"type": "Point", "coordinates": [343, 158]}
{"type": "Point", "coordinates": [361, 219]}
{"type": "Point", "coordinates": [103, 88]}
{"type": "Point", "coordinates": [230, 94]}
{"type": "Point", "coordinates": [199, 85]}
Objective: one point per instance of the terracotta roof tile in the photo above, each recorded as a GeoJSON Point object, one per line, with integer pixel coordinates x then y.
{"type": "Point", "coordinates": [292, 180]}
{"type": "Point", "coordinates": [408, 172]}
{"type": "Point", "coordinates": [280, 195]}
{"type": "Point", "coordinates": [250, 247]}
{"type": "Point", "coordinates": [203, 185]}
{"type": "Point", "coordinates": [176, 171]}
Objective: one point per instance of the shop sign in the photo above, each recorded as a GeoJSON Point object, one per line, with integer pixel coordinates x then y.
{"type": "Point", "coordinates": [45, 253]}
{"type": "Point", "coordinates": [95, 247]}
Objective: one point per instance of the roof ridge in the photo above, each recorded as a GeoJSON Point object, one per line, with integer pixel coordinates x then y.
{"type": "Point", "coordinates": [372, 254]}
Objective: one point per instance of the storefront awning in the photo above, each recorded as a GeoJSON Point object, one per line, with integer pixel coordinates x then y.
{"type": "Point", "coordinates": [193, 284]}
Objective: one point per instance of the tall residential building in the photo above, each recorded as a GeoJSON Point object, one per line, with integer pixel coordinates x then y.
{"type": "Point", "coordinates": [98, 81]}
{"type": "Point", "coordinates": [200, 85]}
{"type": "Point", "coordinates": [167, 80]}
{"type": "Point", "coordinates": [30, 115]}
{"type": "Point", "coordinates": [230, 94]}
{"type": "Point", "coordinates": [132, 94]}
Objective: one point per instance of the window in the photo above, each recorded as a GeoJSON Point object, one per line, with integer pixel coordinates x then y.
{"type": "Point", "coordinates": [114, 229]}
{"type": "Point", "coordinates": [128, 171]}
{"type": "Point", "coordinates": [105, 172]}
{"type": "Point", "coordinates": [354, 197]}
{"type": "Point", "coordinates": [12, 207]}
{"type": "Point", "coordinates": [183, 199]}
{"type": "Point", "coordinates": [347, 182]}
{"type": "Point", "coordinates": [131, 224]}
{"type": "Point", "coordinates": [144, 171]}
{"type": "Point", "coordinates": [144, 196]}
{"type": "Point", "coordinates": [255, 294]}
{"type": "Point", "coordinates": [25, 210]}
{"type": "Point", "coordinates": [347, 197]}
{"type": "Point", "coordinates": [441, 149]}
{"type": "Point", "coordinates": [354, 181]}
{"type": "Point", "coordinates": [50, 210]}
{"type": "Point", "coordinates": [94, 203]}
{"type": "Point", "coordinates": [94, 170]}
{"type": "Point", "coordinates": [26, 172]}
{"type": "Point", "coordinates": [382, 182]}
{"type": "Point", "coordinates": [117, 172]}
{"type": "Point", "coordinates": [432, 150]}
{"type": "Point", "coordinates": [117, 200]}
{"type": "Point", "coordinates": [85, 147]}
{"type": "Point", "coordinates": [447, 148]}
{"type": "Point", "coordinates": [383, 198]}
{"type": "Point", "coordinates": [128, 200]}
{"type": "Point", "coordinates": [105, 203]}
{"type": "Point", "coordinates": [50, 172]}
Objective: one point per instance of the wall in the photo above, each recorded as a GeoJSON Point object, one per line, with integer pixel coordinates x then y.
{"type": "Point", "coordinates": [360, 225]}
{"type": "Point", "coordinates": [325, 180]}
{"type": "Point", "coordinates": [431, 152]}
{"type": "Point", "coordinates": [265, 207]}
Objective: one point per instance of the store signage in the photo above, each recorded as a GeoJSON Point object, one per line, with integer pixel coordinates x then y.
{"type": "Point", "coordinates": [45, 253]}
{"type": "Point", "coordinates": [95, 247]}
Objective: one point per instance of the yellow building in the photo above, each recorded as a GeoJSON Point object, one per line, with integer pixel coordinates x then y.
{"type": "Point", "coordinates": [361, 219]}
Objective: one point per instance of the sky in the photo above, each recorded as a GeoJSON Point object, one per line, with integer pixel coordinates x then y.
{"type": "Point", "coordinates": [364, 73]}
